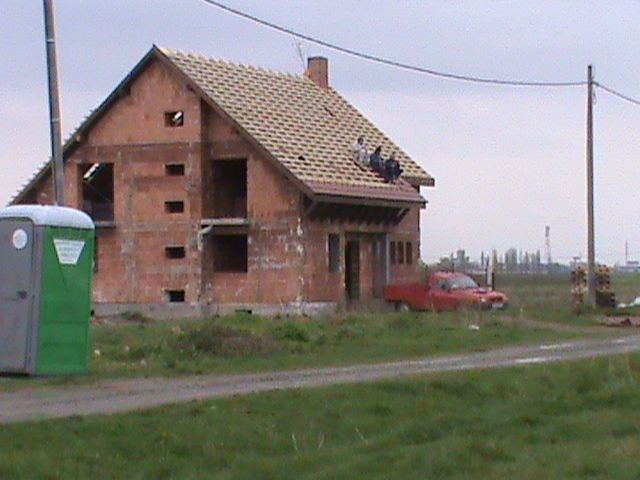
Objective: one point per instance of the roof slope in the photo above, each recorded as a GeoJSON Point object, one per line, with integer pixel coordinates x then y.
{"type": "Point", "coordinates": [308, 129]}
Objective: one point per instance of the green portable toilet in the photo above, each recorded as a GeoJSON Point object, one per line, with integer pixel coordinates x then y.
{"type": "Point", "coordinates": [46, 268]}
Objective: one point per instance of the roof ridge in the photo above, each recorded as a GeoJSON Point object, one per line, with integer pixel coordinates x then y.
{"type": "Point", "coordinates": [184, 54]}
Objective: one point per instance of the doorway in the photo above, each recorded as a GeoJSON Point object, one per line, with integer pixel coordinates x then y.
{"type": "Point", "coordinates": [16, 291]}
{"type": "Point", "coordinates": [352, 269]}
{"type": "Point", "coordinates": [380, 265]}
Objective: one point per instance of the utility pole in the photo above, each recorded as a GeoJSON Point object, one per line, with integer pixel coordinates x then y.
{"type": "Point", "coordinates": [547, 245]}
{"type": "Point", "coordinates": [626, 252]}
{"type": "Point", "coordinates": [54, 105]}
{"type": "Point", "coordinates": [591, 255]}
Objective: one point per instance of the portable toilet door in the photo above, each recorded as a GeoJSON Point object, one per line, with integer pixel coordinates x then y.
{"type": "Point", "coordinates": [46, 265]}
{"type": "Point", "coordinates": [17, 289]}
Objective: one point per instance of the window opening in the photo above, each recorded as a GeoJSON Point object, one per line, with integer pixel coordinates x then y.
{"type": "Point", "coordinates": [174, 252]}
{"type": "Point", "coordinates": [174, 207]}
{"type": "Point", "coordinates": [174, 169]}
{"type": "Point", "coordinates": [400, 255]}
{"type": "Point", "coordinates": [333, 246]}
{"type": "Point", "coordinates": [392, 253]}
{"type": "Point", "coordinates": [230, 253]}
{"type": "Point", "coordinates": [175, 296]}
{"type": "Point", "coordinates": [174, 119]}
{"type": "Point", "coordinates": [97, 191]}
{"type": "Point", "coordinates": [409, 252]}
{"type": "Point", "coordinates": [229, 193]}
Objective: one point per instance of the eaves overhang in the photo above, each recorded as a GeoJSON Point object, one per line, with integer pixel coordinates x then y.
{"type": "Point", "coordinates": [394, 196]}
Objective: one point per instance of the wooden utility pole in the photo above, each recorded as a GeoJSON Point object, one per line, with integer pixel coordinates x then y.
{"type": "Point", "coordinates": [54, 104]}
{"type": "Point", "coordinates": [591, 254]}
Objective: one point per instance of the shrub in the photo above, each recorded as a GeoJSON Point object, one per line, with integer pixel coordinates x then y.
{"type": "Point", "coordinates": [291, 332]}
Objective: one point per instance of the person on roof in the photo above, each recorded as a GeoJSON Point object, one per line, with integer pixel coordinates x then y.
{"type": "Point", "coordinates": [360, 153]}
{"type": "Point", "coordinates": [392, 169]}
{"type": "Point", "coordinates": [376, 161]}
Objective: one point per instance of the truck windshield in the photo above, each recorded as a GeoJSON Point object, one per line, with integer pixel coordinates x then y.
{"type": "Point", "coordinates": [461, 282]}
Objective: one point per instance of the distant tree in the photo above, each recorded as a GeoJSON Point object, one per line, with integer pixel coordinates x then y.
{"type": "Point", "coordinates": [445, 264]}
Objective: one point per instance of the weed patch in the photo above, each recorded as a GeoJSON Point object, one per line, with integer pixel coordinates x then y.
{"type": "Point", "coordinates": [290, 332]}
{"type": "Point", "coordinates": [218, 340]}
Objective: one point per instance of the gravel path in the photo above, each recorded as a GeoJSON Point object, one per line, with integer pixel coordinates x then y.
{"type": "Point", "coordinates": [111, 396]}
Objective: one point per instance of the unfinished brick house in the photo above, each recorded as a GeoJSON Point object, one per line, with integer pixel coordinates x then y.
{"type": "Point", "coordinates": [217, 187]}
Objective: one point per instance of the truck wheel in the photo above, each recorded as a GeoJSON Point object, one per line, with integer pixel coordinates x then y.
{"type": "Point", "coordinates": [403, 307]}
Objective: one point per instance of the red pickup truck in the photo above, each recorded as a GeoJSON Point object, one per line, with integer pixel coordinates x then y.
{"type": "Point", "coordinates": [443, 291]}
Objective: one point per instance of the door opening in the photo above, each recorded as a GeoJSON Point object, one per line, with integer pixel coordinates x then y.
{"type": "Point", "coordinates": [16, 292]}
{"type": "Point", "coordinates": [352, 270]}
{"type": "Point", "coordinates": [380, 266]}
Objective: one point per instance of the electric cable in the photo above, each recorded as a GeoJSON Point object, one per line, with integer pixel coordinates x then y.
{"type": "Point", "coordinates": [391, 63]}
{"type": "Point", "coordinates": [617, 94]}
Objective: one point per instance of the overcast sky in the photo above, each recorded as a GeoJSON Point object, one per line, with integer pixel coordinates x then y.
{"type": "Point", "coordinates": [508, 161]}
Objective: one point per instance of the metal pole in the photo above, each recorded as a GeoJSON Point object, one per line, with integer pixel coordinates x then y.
{"type": "Point", "coordinates": [591, 255]}
{"type": "Point", "coordinates": [54, 105]}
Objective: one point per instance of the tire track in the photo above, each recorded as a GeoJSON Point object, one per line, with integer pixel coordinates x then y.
{"type": "Point", "coordinates": [113, 396]}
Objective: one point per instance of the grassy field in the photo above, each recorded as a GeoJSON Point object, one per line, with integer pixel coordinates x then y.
{"type": "Point", "coordinates": [245, 342]}
{"type": "Point", "coordinates": [572, 420]}
{"type": "Point", "coordinates": [560, 421]}
{"type": "Point", "coordinates": [548, 297]}
{"type": "Point", "coordinates": [250, 342]}
{"type": "Point", "coordinates": [242, 342]}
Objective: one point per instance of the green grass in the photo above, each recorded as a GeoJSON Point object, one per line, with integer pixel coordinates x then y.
{"type": "Point", "coordinates": [253, 343]}
{"type": "Point", "coordinates": [541, 297]}
{"type": "Point", "coordinates": [562, 421]}
{"type": "Point", "coordinates": [548, 297]}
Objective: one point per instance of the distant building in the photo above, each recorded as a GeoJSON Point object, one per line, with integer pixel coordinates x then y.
{"type": "Point", "coordinates": [629, 267]}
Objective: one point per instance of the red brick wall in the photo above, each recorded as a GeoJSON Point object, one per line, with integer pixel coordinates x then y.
{"type": "Point", "coordinates": [323, 285]}
{"type": "Point", "coordinates": [138, 118]}
{"type": "Point", "coordinates": [41, 193]}
{"type": "Point", "coordinates": [275, 250]}
{"type": "Point", "coordinates": [407, 231]}
{"type": "Point", "coordinates": [132, 135]}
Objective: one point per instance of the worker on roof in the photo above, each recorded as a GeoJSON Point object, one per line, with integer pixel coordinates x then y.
{"type": "Point", "coordinates": [360, 153]}
{"type": "Point", "coordinates": [376, 161]}
{"type": "Point", "coordinates": [392, 170]}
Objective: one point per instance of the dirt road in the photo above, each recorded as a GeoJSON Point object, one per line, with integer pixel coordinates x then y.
{"type": "Point", "coordinates": [111, 396]}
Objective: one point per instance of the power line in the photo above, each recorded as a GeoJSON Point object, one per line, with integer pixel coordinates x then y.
{"type": "Point", "coordinates": [392, 63]}
{"type": "Point", "coordinates": [406, 66]}
{"type": "Point", "coordinates": [618, 94]}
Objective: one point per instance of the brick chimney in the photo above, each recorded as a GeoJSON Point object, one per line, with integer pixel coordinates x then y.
{"type": "Point", "coordinates": [318, 71]}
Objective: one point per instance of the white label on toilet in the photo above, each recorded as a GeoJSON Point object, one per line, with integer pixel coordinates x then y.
{"type": "Point", "coordinates": [68, 251]}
